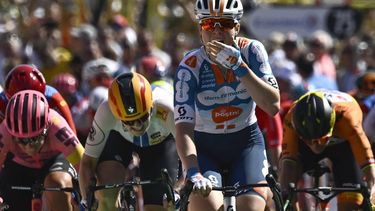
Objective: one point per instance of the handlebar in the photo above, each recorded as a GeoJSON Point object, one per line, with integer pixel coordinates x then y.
{"type": "Point", "coordinates": [164, 179]}
{"type": "Point", "coordinates": [233, 190]}
{"type": "Point", "coordinates": [332, 192]}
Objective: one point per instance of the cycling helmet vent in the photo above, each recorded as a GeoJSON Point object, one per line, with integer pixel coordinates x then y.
{"type": "Point", "coordinates": [313, 116]}
{"type": "Point", "coordinates": [218, 9]}
{"type": "Point", "coordinates": [127, 95]}
{"type": "Point", "coordinates": [23, 77]}
{"type": "Point", "coordinates": [27, 114]}
{"type": "Point", "coordinates": [130, 96]}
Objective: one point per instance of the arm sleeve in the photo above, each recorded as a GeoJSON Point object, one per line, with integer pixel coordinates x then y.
{"type": "Point", "coordinates": [65, 139]}
{"type": "Point", "coordinates": [349, 127]}
{"type": "Point", "coordinates": [102, 124]}
{"type": "Point", "coordinates": [185, 84]}
{"type": "Point", "coordinates": [290, 139]}
{"type": "Point", "coordinates": [59, 103]}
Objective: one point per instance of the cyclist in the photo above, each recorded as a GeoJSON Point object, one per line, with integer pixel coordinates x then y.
{"type": "Point", "coordinates": [133, 119]}
{"type": "Point", "coordinates": [365, 88]}
{"type": "Point", "coordinates": [327, 124]}
{"type": "Point", "coordinates": [67, 85]}
{"type": "Point", "coordinates": [98, 72]}
{"type": "Point", "coordinates": [215, 91]}
{"type": "Point", "coordinates": [44, 149]}
{"type": "Point", "coordinates": [23, 77]}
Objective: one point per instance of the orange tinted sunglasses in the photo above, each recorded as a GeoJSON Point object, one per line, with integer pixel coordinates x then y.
{"type": "Point", "coordinates": [225, 24]}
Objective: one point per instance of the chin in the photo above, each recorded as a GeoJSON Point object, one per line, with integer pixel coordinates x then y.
{"type": "Point", "coordinates": [137, 132]}
{"type": "Point", "coordinates": [317, 149]}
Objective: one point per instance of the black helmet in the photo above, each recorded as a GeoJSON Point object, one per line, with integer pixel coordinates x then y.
{"type": "Point", "coordinates": [313, 116]}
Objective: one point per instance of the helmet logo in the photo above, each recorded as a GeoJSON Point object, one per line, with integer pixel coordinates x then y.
{"type": "Point", "coordinates": [131, 109]}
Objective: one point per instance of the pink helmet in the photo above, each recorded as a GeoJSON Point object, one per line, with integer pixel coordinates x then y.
{"type": "Point", "coordinates": [65, 83]}
{"type": "Point", "coordinates": [27, 114]}
{"type": "Point", "coordinates": [24, 77]}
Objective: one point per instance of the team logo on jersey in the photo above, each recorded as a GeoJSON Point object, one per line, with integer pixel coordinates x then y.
{"type": "Point", "coordinates": [182, 113]}
{"type": "Point", "coordinates": [191, 61]}
{"type": "Point", "coordinates": [225, 113]}
{"type": "Point", "coordinates": [161, 113]}
{"type": "Point", "coordinates": [156, 138]}
{"type": "Point", "coordinates": [95, 136]}
{"type": "Point", "coordinates": [271, 80]}
{"type": "Point", "coordinates": [182, 86]}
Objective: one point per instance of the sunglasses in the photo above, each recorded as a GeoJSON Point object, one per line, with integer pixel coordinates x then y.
{"type": "Point", "coordinates": [141, 120]}
{"type": "Point", "coordinates": [225, 24]}
{"type": "Point", "coordinates": [33, 140]}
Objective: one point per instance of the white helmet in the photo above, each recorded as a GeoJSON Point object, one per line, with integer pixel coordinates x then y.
{"type": "Point", "coordinates": [99, 66]}
{"type": "Point", "coordinates": [97, 96]}
{"type": "Point", "coordinates": [218, 8]}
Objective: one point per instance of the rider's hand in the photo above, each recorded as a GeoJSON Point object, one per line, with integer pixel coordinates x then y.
{"type": "Point", "coordinates": [83, 204]}
{"type": "Point", "coordinates": [227, 56]}
{"type": "Point", "coordinates": [202, 185]}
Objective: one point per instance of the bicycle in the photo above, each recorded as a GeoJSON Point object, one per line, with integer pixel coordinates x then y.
{"type": "Point", "coordinates": [319, 170]}
{"type": "Point", "coordinates": [331, 192]}
{"type": "Point", "coordinates": [37, 190]}
{"type": "Point", "coordinates": [324, 194]}
{"type": "Point", "coordinates": [127, 196]}
{"type": "Point", "coordinates": [230, 193]}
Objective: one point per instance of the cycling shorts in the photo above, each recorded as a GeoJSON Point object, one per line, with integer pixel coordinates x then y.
{"type": "Point", "coordinates": [152, 160]}
{"type": "Point", "coordinates": [241, 154]}
{"type": "Point", "coordinates": [14, 174]}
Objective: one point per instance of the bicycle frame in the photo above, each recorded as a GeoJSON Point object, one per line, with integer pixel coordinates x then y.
{"type": "Point", "coordinates": [332, 192]}
{"type": "Point", "coordinates": [230, 193]}
{"type": "Point", "coordinates": [127, 189]}
{"type": "Point", "coordinates": [37, 189]}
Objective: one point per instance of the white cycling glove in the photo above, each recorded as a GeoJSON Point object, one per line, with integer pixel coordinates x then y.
{"type": "Point", "coordinates": [202, 185]}
{"type": "Point", "coordinates": [227, 56]}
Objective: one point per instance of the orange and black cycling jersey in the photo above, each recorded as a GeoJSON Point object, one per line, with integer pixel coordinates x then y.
{"type": "Point", "coordinates": [347, 127]}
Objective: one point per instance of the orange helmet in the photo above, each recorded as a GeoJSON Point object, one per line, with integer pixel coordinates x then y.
{"type": "Point", "coordinates": [130, 96]}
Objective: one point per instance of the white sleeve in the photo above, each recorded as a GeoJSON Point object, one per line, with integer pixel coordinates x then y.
{"type": "Point", "coordinates": [164, 104]}
{"type": "Point", "coordinates": [103, 123]}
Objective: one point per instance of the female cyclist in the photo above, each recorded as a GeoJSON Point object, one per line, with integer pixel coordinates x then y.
{"type": "Point", "coordinates": [133, 119]}
{"type": "Point", "coordinates": [44, 149]}
{"type": "Point", "coordinates": [216, 90]}
{"type": "Point", "coordinates": [23, 77]}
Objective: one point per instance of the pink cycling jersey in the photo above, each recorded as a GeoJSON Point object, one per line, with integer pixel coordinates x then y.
{"type": "Point", "coordinates": [60, 139]}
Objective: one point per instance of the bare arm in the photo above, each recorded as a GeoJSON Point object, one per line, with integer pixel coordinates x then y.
{"type": "Point", "coordinates": [185, 145]}
{"type": "Point", "coordinates": [87, 171]}
{"type": "Point", "coordinates": [290, 171]}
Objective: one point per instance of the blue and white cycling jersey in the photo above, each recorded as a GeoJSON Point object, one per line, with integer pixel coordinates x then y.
{"type": "Point", "coordinates": [214, 99]}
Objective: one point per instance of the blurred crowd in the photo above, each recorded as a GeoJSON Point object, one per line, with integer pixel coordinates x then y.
{"type": "Point", "coordinates": [80, 61]}
{"type": "Point", "coordinates": [321, 62]}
